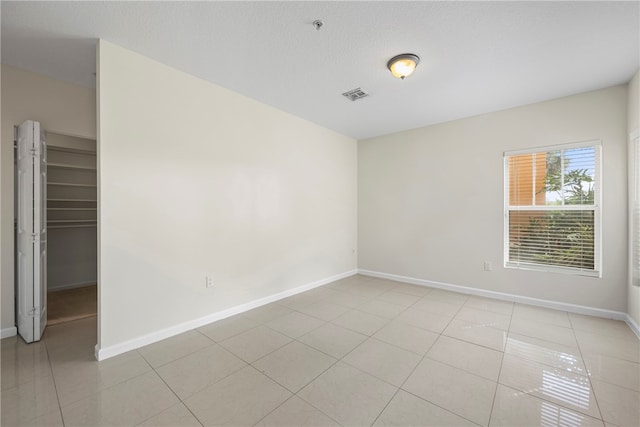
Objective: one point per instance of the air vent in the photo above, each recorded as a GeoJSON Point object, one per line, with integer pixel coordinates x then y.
{"type": "Point", "coordinates": [355, 94]}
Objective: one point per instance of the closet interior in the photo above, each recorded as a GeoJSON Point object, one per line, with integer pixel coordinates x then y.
{"type": "Point", "coordinates": [71, 228]}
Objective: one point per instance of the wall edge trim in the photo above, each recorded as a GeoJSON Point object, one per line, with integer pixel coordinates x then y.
{"type": "Point", "coordinates": [114, 350]}
{"type": "Point", "coordinates": [555, 305]}
{"type": "Point", "coordinates": [8, 332]}
{"type": "Point", "coordinates": [633, 325]}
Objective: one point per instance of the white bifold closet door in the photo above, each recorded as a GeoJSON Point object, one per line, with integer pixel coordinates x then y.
{"type": "Point", "coordinates": [31, 175]}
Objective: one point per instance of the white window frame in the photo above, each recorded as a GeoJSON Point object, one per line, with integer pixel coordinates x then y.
{"type": "Point", "coordinates": [597, 221]}
{"type": "Point", "coordinates": [634, 208]}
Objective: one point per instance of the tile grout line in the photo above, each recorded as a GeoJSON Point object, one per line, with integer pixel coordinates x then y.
{"type": "Point", "coordinates": [55, 386]}
{"type": "Point", "coordinates": [137, 350]}
{"type": "Point", "coordinates": [151, 369]}
{"type": "Point", "coordinates": [540, 398]}
{"type": "Point", "coordinates": [99, 391]}
{"type": "Point", "coordinates": [341, 359]}
{"type": "Point", "coordinates": [504, 351]}
{"type": "Point", "coordinates": [416, 367]}
{"type": "Point", "coordinates": [175, 394]}
{"type": "Point", "coordinates": [373, 333]}
{"type": "Point", "coordinates": [251, 364]}
{"type": "Point", "coordinates": [573, 331]}
{"type": "Point", "coordinates": [296, 393]}
{"type": "Point", "coordinates": [337, 360]}
{"type": "Point", "coordinates": [438, 406]}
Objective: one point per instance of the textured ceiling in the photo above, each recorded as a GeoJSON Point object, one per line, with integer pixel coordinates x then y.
{"type": "Point", "coordinates": [477, 57]}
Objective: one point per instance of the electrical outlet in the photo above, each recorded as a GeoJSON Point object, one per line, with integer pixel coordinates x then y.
{"type": "Point", "coordinates": [488, 266]}
{"type": "Point", "coordinates": [208, 283]}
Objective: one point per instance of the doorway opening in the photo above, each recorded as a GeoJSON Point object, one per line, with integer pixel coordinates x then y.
{"type": "Point", "coordinates": [71, 225]}
{"type": "Point", "coordinates": [56, 229]}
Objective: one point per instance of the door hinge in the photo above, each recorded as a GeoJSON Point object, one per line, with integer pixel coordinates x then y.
{"type": "Point", "coordinates": [34, 237]}
{"type": "Point", "coordinates": [35, 153]}
{"type": "Point", "coordinates": [33, 312]}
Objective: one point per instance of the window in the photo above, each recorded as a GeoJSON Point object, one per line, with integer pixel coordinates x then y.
{"type": "Point", "coordinates": [552, 200]}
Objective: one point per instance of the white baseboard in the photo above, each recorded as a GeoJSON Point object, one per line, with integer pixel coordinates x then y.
{"type": "Point", "coordinates": [556, 305]}
{"type": "Point", "coordinates": [8, 332]}
{"type": "Point", "coordinates": [114, 350]}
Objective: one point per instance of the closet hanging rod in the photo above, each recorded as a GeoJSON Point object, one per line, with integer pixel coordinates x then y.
{"type": "Point", "coordinates": [66, 166]}
{"type": "Point", "coordinates": [73, 226]}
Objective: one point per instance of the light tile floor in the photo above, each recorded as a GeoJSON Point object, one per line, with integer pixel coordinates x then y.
{"type": "Point", "coordinates": [359, 351]}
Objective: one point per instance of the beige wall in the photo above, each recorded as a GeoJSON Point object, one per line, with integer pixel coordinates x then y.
{"type": "Point", "coordinates": [633, 125]}
{"type": "Point", "coordinates": [198, 180]}
{"type": "Point", "coordinates": [431, 199]}
{"type": "Point", "coordinates": [60, 107]}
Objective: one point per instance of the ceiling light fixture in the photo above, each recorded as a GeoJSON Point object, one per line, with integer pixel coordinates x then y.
{"type": "Point", "coordinates": [403, 65]}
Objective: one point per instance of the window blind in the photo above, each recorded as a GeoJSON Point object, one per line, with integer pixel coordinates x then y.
{"type": "Point", "coordinates": [552, 208]}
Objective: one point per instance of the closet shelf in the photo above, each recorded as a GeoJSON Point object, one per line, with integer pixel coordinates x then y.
{"type": "Point", "coordinates": [72, 209]}
{"type": "Point", "coordinates": [66, 221]}
{"type": "Point", "coordinates": [65, 166]}
{"type": "Point", "coordinates": [69, 149]}
{"type": "Point", "coordinates": [73, 225]}
{"type": "Point", "coordinates": [71, 200]}
{"type": "Point", "coordinates": [69, 184]}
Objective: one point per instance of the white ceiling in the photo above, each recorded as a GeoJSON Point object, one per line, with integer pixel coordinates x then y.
{"type": "Point", "coordinates": [477, 57]}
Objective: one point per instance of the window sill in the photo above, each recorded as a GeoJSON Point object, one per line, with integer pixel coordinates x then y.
{"type": "Point", "coordinates": [553, 269]}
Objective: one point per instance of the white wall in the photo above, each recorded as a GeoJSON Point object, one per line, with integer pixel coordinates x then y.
{"type": "Point", "coordinates": [198, 180]}
{"type": "Point", "coordinates": [431, 199]}
{"type": "Point", "coordinates": [633, 125]}
{"type": "Point", "coordinates": [71, 257]}
{"type": "Point", "coordinates": [60, 107]}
